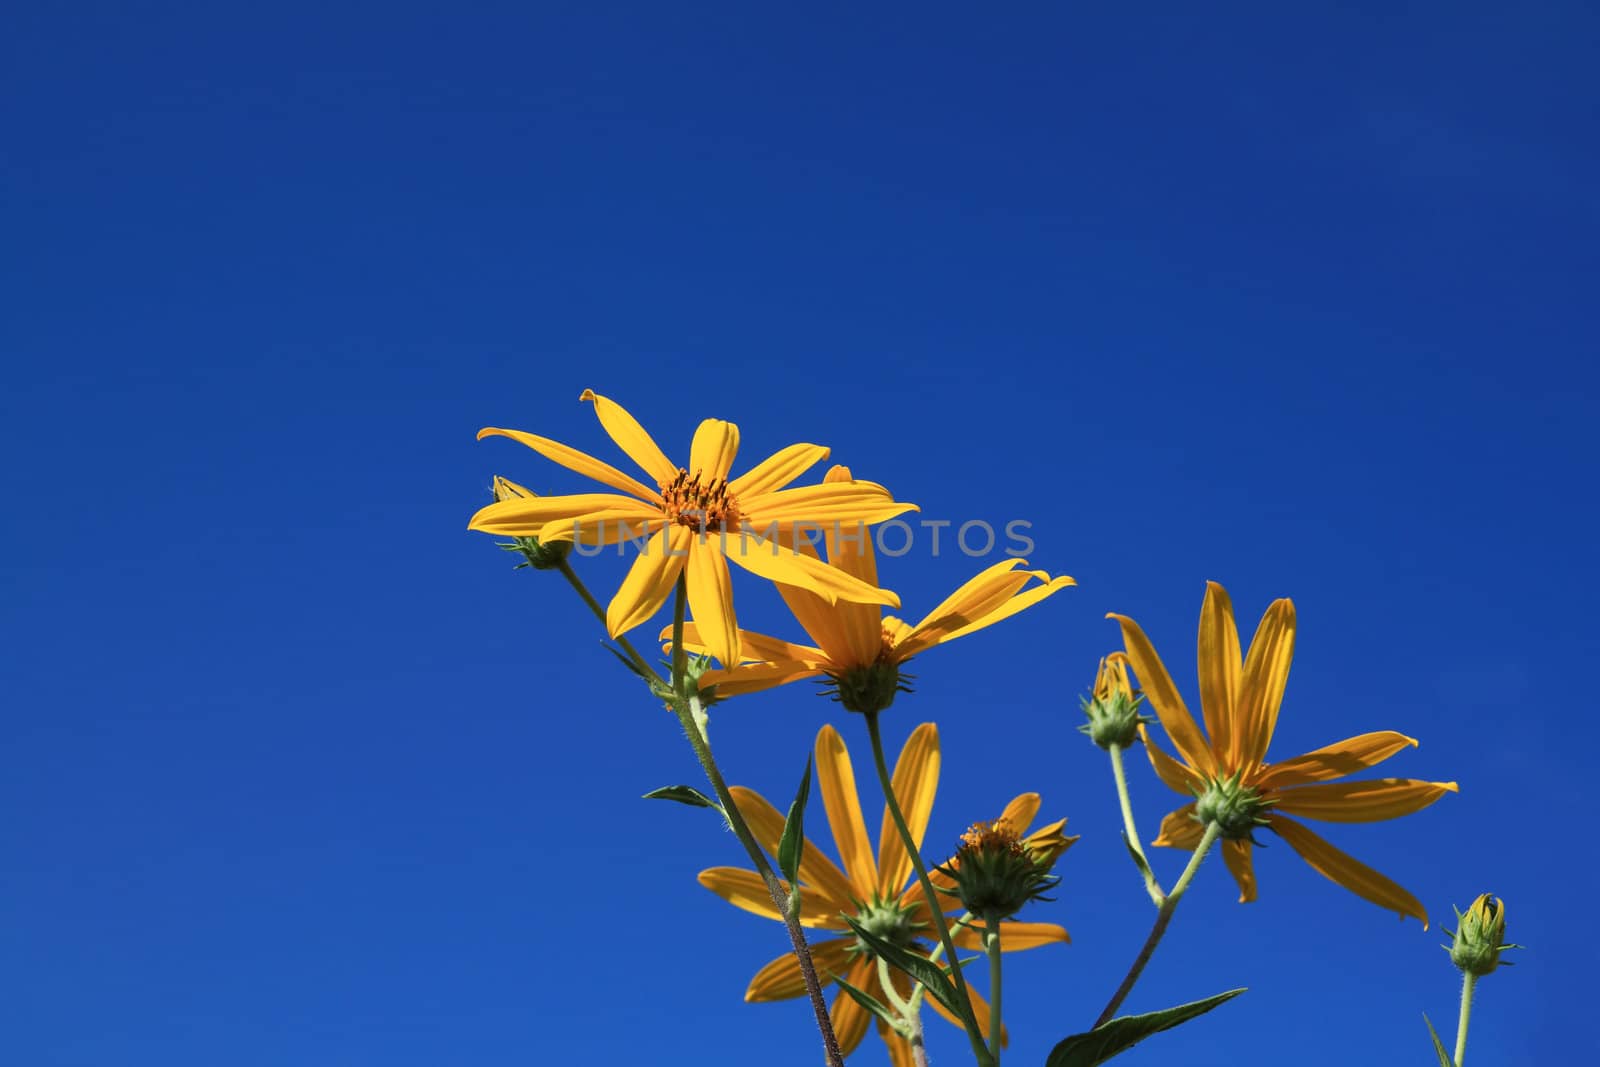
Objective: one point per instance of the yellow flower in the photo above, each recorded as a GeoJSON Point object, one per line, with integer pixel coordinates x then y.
{"type": "Point", "coordinates": [695, 520]}
{"type": "Point", "coordinates": [859, 649]}
{"type": "Point", "coordinates": [873, 892]}
{"type": "Point", "coordinates": [1229, 772]}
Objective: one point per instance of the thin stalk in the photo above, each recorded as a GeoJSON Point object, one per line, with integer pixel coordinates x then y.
{"type": "Point", "coordinates": [1469, 983]}
{"type": "Point", "coordinates": [963, 997]}
{"type": "Point", "coordinates": [1130, 831]}
{"type": "Point", "coordinates": [600, 613]}
{"type": "Point", "coordinates": [991, 945]}
{"type": "Point", "coordinates": [1163, 917]}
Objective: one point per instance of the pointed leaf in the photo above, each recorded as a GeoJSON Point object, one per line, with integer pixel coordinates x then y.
{"type": "Point", "coordinates": [683, 795]}
{"type": "Point", "coordinates": [1445, 1058]}
{"type": "Point", "coordinates": [924, 970]}
{"type": "Point", "coordinates": [1122, 1033]}
{"type": "Point", "coordinates": [875, 1006]}
{"type": "Point", "coordinates": [794, 835]}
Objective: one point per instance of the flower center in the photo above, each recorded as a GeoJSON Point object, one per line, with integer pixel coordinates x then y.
{"type": "Point", "coordinates": [704, 508]}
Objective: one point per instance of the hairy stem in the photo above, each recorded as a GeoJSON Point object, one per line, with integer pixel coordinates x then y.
{"type": "Point", "coordinates": [1130, 831]}
{"type": "Point", "coordinates": [1469, 983]}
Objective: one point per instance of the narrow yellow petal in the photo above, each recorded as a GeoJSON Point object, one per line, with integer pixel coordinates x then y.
{"type": "Point", "coordinates": [756, 677]}
{"type": "Point", "coordinates": [915, 780]}
{"type": "Point", "coordinates": [781, 979]}
{"type": "Point", "coordinates": [849, 1018]}
{"type": "Point", "coordinates": [1014, 937]}
{"type": "Point", "coordinates": [603, 527]}
{"type": "Point", "coordinates": [756, 646]}
{"type": "Point", "coordinates": [1355, 876]}
{"type": "Point", "coordinates": [638, 445]}
{"type": "Point", "coordinates": [581, 462]}
{"type": "Point", "coordinates": [1178, 777]}
{"type": "Point", "coordinates": [1048, 842]}
{"type": "Point", "coordinates": [818, 505]}
{"type": "Point", "coordinates": [1219, 662]}
{"type": "Point", "coordinates": [1021, 812]}
{"type": "Point", "coordinates": [1180, 829]}
{"type": "Point", "coordinates": [650, 579]}
{"type": "Point", "coordinates": [900, 1054]}
{"type": "Point", "coordinates": [1369, 801]}
{"type": "Point", "coordinates": [1236, 854]}
{"type": "Point", "coordinates": [711, 455]}
{"type": "Point", "coordinates": [837, 781]}
{"type": "Point", "coordinates": [1336, 760]}
{"type": "Point", "coordinates": [1266, 673]}
{"type": "Point", "coordinates": [986, 599]}
{"type": "Point", "coordinates": [711, 600]}
{"type": "Point", "coordinates": [980, 1008]}
{"type": "Point", "coordinates": [837, 627]}
{"type": "Point", "coordinates": [769, 559]}
{"type": "Point", "coordinates": [818, 874]}
{"type": "Point", "coordinates": [850, 549]}
{"type": "Point", "coordinates": [777, 470]}
{"type": "Point", "coordinates": [526, 516]}
{"type": "Point", "coordinates": [745, 889]}
{"type": "Point", "coordinates": [1163, 696]}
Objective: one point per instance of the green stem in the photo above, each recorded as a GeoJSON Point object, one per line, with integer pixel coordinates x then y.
{"type": "Point", "coordinates": [600, 613]}
{"type": "Point", "coordinates": [1131, 832]}
{"type": "Point", "coordinates": [1163, 917]}
{"type": "Point", "coordinates": [1469, 982]}
{"type": "Point", "coordinates": [991, 945]}
{"type": "Point", "coordinates": [963, 997]}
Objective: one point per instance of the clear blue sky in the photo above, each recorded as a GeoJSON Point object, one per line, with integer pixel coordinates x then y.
{"type": "Point", "coordinates": [298, 771]}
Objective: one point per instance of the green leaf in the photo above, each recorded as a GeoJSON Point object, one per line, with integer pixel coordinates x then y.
{"type": "Point", "coordinates": [1445, 1058]}
{"type": "Point", "coordinates": [683, 795]}
{"type": "Point", "coordinates": [1121, 1034]}
{"type": "Point", "coordinates": [924, 970]}
{"type": "Point", "coordinates": [794, 834]}
{"type": "Point", "coordinates": [876, 1007]}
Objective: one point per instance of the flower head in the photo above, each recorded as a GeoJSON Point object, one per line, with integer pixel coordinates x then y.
{"type": "Point", "coordinates": [1226, 769]}
{"type": "Point", "coordinates": [996, 872]}
{"type": "Point", "coordinates": [1113, 709]}
{"type": "Point", "coordinates": [1480, 936]}
{"type": "Point", "coordinates": [877, 890]}
{"type": "Point", "coordinates": [692, 519]}
{"type": "Point", "coordinates": [859, 650]}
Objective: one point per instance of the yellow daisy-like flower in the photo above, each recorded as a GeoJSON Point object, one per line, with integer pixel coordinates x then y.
{"type": "Point", "coordinates": [858, 648]}
{"type": "Point", "coordinates": [1227, 770]}
{"type": "Point", "coordinates": [873, 892]}
{"type": "Point", "coordinates": [695, 520]}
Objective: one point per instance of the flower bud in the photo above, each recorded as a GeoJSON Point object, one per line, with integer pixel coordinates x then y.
{"type": "Point", "coordinates": [996, 872]}
{"type": "Point", "coordinates": [1479, 936]}
{"type": "Point", "coordinates": [541, 557]}
{"type": "Point", "coordinates": [1113, 710]}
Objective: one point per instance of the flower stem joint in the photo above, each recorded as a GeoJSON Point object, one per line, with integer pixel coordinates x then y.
{"type": "Point", "coordinates": [1113, 710]}
{"type": "Point", "coordinates": [1234, 808]}
{"type": "Point", "coordinates": [538, 555]}
{"type": "Point", "coordinates": [1479, 937]}
{"type": "Point", "coordinates": [996, 873]}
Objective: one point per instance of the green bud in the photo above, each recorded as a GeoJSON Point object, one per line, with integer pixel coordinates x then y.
{"type": "Point", "coordinates": [541, 557]}
{"type": "Point", "coordinates": [1234, 808]}
{"type": "Point", "coordinates": [1479, 936]}
{"type": "Point", "coordinates": [1113, 710]}
{"type": "Point", "coordinates": [996, 873]}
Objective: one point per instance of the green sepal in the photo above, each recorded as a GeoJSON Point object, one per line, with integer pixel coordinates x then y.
{"type": "Point", "coordinates": [793, 840]}
{"type": "Point", "coordinates": [683, 794]}
{"type": "Point", "coordinates": [924, 970]}
{"type": "Point", "coordinates": [876, 1007]}
{"type": "Point", "coordinates": [1445, 1059]}
{"type": "Point", "coordinates": [1122, 1033]}
{"type": "Point", "coordinates": [1138, 859]}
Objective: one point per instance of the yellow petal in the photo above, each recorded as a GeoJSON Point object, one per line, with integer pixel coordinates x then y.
{"type": "Point", "coordinates": [1014, 604]}
{"type": "Point", "coordinates": [837, 781]}
{"type": "Point", "coordinates": [781, 979]}
{"type": "Point", "coordinates": [1335, 761]}
{"type": "Point", "coordinates": [745, 889]}
{"type": "Point", "coordinates": [849, 1018]}
{"type": "Point", "coordinates": [1163, 696]}
{"type": "Point", "coordinates": [1014, 937]}
{"type": "Point", "coordinates": [770, 560]}
{"type": "Point", "coordinates": [756, 677]}
{"type": "Point", "coordinates": [839, 628]}
{"type": "Point", "coordinates": [711, 454]}
{"type": "Point", "coordinates": [819, 875]}
{"type": "Point", "coordinates": [777, 470]}
{"type": "Point", "coordinates": [1355, 876]}
{"type": "Point", "coordinates": [900, 1054]}
{"type": "Point", "coordinates": [526, 516]}
{"type": "Point", "coordinates": [850, 549]}
{"type": "Point", "coordinates": [603, 527]}
{"type": "Point", "coordinates": [1048, 842]}
{"type": "Point", "coordinates": [632, 438]}
{"type": "Point", "coordinates": [1219, 662]}
{"type": "Point", "coordinates": [1021, 812]}
{"type": "Point", "coordinates": [980, 1008]}
{"type": "Point", "coordinates": [1369, 801]}
{"type": "Point", "coordinates": [819, 505]}
{"type": "Point", "coordinates": [581, 462]}
{"type": "Point", "coordinates": [1180, 829]}
{"type": "Point", "coordinates": [711, 600]}
{"type": "Point", "coordinates": [1177, 777]}
{"type": "Point", "coordinates": [650, 579]}
{"type": "Point", "coordinates": [1266, 672]}
{"type": "Point", "coordinates": [916, 779]}
{"type": "Point", "coordinates": [756, 646]}
{"type": "Point", "coordinates": [986, 599]}
{"type": "Point", "coordinates": [1236, 854]}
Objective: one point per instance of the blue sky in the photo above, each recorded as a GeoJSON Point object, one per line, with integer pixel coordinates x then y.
{"type": "Point", "coordinates": [298, 771]}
